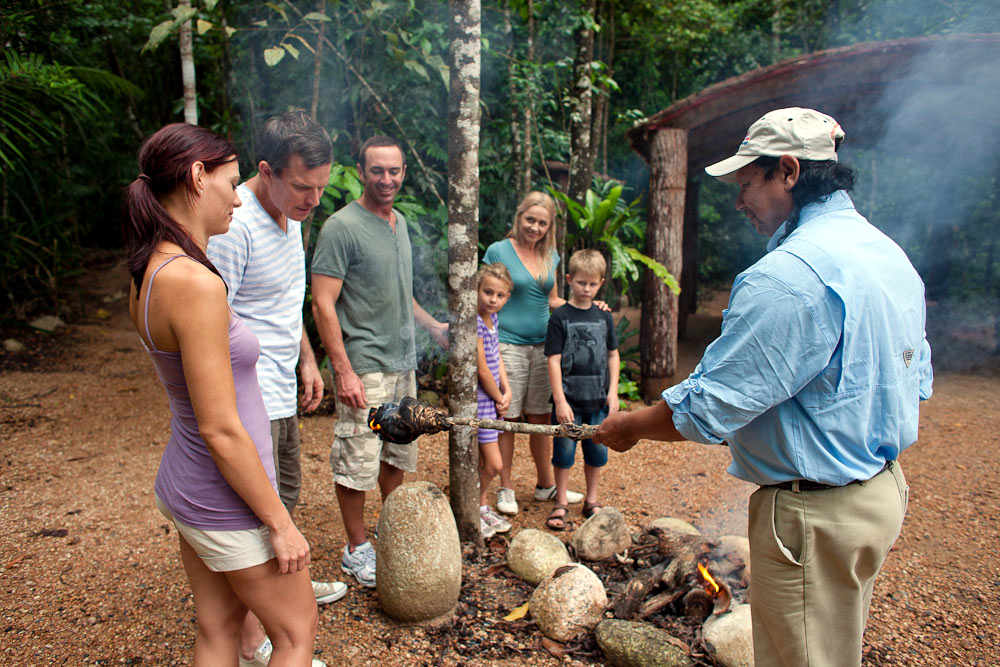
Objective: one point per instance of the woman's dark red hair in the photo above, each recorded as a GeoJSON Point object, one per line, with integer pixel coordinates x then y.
{"type": "Point", "coordinates": [165, 161]}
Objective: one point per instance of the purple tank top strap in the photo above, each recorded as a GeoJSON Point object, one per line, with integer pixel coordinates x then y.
{"type": "Point", "coordinates": [149, 288]}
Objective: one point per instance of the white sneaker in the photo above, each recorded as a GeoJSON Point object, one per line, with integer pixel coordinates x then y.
{"type": "Point", "coordinates": [549, 493]}
{"type": "Point", "coordinates": [262, 656]}
{"type": "Point", "coordinates": [485, 528]}
{"type": "Point", "coordinates": [328, 591]}
{"type": "Point", "coordinates": [506, 502]}
{"type": "Point", "coordinates": [360, 563]}
{"type": "Point", "coordinates": [497, 523]}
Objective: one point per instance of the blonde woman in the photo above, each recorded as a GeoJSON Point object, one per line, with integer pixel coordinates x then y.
{"type": "Point", "coordinates": [529, 253]}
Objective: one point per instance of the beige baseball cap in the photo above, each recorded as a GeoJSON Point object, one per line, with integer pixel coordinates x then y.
{"type": "Point", "coordinates": [802, 133]}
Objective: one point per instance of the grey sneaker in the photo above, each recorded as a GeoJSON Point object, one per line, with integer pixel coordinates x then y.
{"type": "Point", "coordinates": [360, 563]}
{"type": "Point", "coordinates": [497, 523]}
{"type": "Point", "coordinates": [328, 591]}
{"type": "Point", "coordinates": [506, 502]}
{"type": "Point", "coordinates": [262, 656]}
{"type": "Point", "coordinates": [549, 493]}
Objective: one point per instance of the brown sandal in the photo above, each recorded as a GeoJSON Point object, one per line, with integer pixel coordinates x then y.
{"type": "Point", "coordinates": [557, 518]}
{"type": "Point", "coordinates": [589, 509]}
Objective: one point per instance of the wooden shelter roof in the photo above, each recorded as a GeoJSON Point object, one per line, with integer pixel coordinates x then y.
{"type": "Point", "coordinates": [854, 84]}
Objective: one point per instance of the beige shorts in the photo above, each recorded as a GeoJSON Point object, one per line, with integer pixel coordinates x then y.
{"type": "Point", "coordinates": [528, 374]}
{"type": "Point", "coordinates": [225, 550]}
{"type": "Point", "coordinates": [356, 450]}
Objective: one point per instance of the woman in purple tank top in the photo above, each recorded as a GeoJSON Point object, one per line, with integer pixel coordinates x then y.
{"type": "Point", "coordinates": [238, 544]}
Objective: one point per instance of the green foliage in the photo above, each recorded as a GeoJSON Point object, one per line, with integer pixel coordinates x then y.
{"type": "Point", "coordinates": [628, 389]}
{"type": "Point", "coordinates": [606, 223]}
{"type": "Point", "coordinates": [37, 100]}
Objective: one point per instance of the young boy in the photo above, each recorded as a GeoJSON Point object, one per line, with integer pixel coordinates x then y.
{"type": "Point", "coordinates": [582, 350]}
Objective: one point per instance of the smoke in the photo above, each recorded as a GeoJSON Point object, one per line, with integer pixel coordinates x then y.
{"type": "Point", "coordinates": [930, 178]}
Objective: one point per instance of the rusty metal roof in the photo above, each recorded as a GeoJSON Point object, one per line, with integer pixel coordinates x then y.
{"type": "Point", "coordinates": [859, 85]}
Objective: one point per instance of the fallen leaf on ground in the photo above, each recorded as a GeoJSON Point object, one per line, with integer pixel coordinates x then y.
{"type": "Point", "coordinates": [518, 613]}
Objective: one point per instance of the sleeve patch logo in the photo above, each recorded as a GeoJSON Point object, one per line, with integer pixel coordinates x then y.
{"type": "Point", "coordinates": [907, 357]}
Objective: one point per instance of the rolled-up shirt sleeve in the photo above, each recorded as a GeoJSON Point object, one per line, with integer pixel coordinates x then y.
{"type": "Point", "coordinates": [775, 339]}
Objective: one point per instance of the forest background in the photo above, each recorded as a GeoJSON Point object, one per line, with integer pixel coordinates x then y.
{"type": "Point", "coordinates": [83, 83]}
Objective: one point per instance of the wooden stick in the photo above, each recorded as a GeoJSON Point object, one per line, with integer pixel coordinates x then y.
{"type": "Point", "coordinates": [575, 431]}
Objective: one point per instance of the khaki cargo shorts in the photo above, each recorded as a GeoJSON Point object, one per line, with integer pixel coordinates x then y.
{"type": "Point", "coordinates": [528, 374]}
{"type": "Point", "coordinates": [356, 452]}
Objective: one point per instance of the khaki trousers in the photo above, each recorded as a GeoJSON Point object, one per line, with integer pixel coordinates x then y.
{"type": "Point", "coordinates": [814, 556]}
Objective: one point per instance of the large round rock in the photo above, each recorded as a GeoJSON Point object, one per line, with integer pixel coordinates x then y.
{"type": "Point", "coordinates": [534, 555]}
{"type": "Point", "coordinates": [602, 535]}
{"type": "Point", "coordinates": [570, 601]}
{"type": "Point", "coordinates": [418, 556]}
{"type": "Point", "coordinates": [730, 636]}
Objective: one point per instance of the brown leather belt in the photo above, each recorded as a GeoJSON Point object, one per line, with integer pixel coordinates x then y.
{"type": "Point", "coordinates": [809, 485]}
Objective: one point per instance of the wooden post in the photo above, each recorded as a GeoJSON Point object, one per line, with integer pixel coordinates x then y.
{"type": "Point", "coordinates": [463, 240]}
{"type": "Point", "coordinates": [664, 235]}
{"type": "Point", "coordinates": [688, 300]}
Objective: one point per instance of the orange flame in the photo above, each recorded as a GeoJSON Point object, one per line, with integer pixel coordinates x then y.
{"type": "Point", "coordinates": [708, 580]}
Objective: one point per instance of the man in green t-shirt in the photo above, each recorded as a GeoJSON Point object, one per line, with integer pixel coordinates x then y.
{"type": "Point", "coordinates": [362, 299]}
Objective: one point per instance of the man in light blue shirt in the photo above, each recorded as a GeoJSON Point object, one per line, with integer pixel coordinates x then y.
{"type": "Point", "coordinates": [815, 384]}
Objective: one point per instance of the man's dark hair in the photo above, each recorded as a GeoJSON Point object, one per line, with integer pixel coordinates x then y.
{"type": "Point", "coordinates": [817, 179]}
{"type": "Point", "coordinates": [379, 140]}
{"type": "Point", "coordinates": [293, 133]}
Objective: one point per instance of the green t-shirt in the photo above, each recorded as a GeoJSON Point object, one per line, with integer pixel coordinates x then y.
{"type": "Point", "coordinates": [375, 307]}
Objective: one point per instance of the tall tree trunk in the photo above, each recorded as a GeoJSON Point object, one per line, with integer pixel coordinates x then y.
{"type": "Point", "coordinates": [318, 65]}
{"type": "Point", "coordinates": [463, 241]}
{"type": "Point", "coordinates": [581, 161]}
{"type": "Point", "coordinates": [664, 232]}
{"type": "Point", "coordinates": [776, 31]}
{"type": "Point", "coordinates": [599, 127]}
{"type": "Point", "coordinates": [187, 69]}
{"type": "Point", "coordinates": [528, 111]}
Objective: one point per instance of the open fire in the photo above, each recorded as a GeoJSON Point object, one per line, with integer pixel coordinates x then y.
{"type": "Point", "coordinates": [711, 587]}
{"type": "Point", "coordinates": [682, 575]}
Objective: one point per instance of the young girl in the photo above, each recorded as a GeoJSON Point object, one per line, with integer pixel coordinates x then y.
{"type": "Point", "coordinates": [494, 285]}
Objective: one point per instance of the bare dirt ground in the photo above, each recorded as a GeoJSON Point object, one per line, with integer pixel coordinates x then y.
{"type": "Point", "coordinates": [90, 574]}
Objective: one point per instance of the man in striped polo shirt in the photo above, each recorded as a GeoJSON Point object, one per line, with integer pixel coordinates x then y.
{"type": "Point", "coordinates": [262, 261]}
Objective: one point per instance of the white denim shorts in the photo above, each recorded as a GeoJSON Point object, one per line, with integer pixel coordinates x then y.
{"type": "Point", "coordinates": [225, 550]}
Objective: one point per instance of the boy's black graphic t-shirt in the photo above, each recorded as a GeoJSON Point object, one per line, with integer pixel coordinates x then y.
{"type": "Point", "coordinates": [583, 338]}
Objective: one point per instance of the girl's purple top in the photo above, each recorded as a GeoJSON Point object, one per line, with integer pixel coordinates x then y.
{"type": "Point", "coordinates": [485, 407]}
{"type": "Point", "coordinates": [188, 481]}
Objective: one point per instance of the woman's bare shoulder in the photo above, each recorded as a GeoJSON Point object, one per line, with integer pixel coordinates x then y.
{"type": "Point", "coordinates": [192, 278]}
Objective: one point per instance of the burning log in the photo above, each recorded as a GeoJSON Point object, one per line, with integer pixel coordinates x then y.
{"type": "Point", "coordinates": [627, 606]}
{"type": "Point", "coordinates": [698, 604]}
{"type": "Point", "coordinates": [405, 421]}
{"type": "Point", "coordinates": [719, 591]}
{"type": "Point", "coordinates": [658, 602]}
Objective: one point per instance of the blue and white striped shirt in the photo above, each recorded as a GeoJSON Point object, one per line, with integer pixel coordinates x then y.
{"type": "Point", "coordinates": [265, 270]}
{"type": "Point", "coordinates": [822, 360]}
